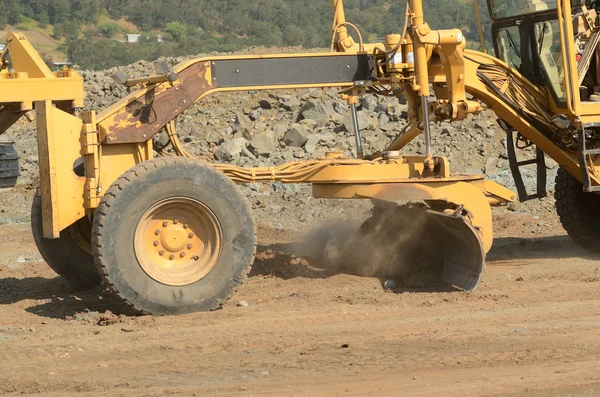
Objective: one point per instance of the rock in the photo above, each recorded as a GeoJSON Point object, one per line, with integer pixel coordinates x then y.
{"type": "Point", "coordinates": [369, 102]}
{"type": "Point", "coordinates": [289, 102]}
{"type": "Point", "coordinates": [317, 109]}
{"type": "Point", "coordinates": [449, 131]}
{"type": "Point", "coordinates": [482, 125]}
{"type": "Point", "coordinates": [384, 121]}
{"type": "Point", "coordinates": [231, 150]}
{"type": "Point", "coordinates": [376, 142]}
{"type": "Point", "coordinates": [242, 304]}
{"type": "Point", "coordinates": [295, 136]}
{"type": "Point", "coordinates": [242, 122]}
{"type": "Point", "coordinates": [328, 139]}
{"type": "Point", "coordinates": [308, 123]}
{"type": "Point", "coordinates": [263, 143]}
{"type": "Point", "coordinates": [255, 114]}
{"type": "Point", "coordinates": [389, 284]}
{"type": "Point", "coordinates": [312, 143]}
{"type": "Point", "coordinates": [490, 165]}
{"type": "Point", "coordinates": [340, 108]}
{"type": "Point", "coordinates": [364, 122]}
{"type": "Point", "coordinates": [265, 104]}
{"type": "Point", "coordinates": [381, 107]}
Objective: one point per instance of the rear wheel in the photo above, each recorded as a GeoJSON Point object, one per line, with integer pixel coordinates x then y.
{"type": "Point", "coordinates": [173, 236]}
{"type": "Point", "coordinates": [71, 254]}
{"type": "Point", "coordinates": [579, 211]}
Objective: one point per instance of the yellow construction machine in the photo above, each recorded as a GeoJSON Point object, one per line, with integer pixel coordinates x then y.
{"type": "Point", "coordinates": [168, 233]}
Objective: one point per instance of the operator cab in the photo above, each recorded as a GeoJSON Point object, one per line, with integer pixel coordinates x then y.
{"type": "Point", "coordinates": [526, 36]}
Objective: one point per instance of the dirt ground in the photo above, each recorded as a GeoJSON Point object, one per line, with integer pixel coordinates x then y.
{"type": "Point", "coordinates": [530, 329]}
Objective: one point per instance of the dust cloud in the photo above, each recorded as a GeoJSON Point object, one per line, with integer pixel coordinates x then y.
{"type": "Point", "coordinates": [390, 244]}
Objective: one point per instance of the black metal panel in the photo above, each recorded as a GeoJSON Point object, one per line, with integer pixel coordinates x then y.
{"type": "Point", "coordinates": [9, 165]}
{"type": "Point", "coordinates": [291, 71]}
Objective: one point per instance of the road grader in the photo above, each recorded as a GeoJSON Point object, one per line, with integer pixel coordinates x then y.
{"type": "Point", "coordinates": [168, 233]}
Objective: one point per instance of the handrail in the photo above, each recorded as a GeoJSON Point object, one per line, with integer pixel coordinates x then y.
{"type": "Point", "coordinates": [479, 26]}
{"type": "Point", "coordinates": [567, 47]}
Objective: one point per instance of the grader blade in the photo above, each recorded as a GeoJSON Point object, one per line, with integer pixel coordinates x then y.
{"type": "Point", "coordinates": [423, 247]}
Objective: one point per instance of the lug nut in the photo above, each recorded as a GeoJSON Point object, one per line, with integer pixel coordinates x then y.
{"type": "Point", "coordinates": [182, 255]}
{"type": "Point", "coordinates": [175, 221]}
{"type": "Point", "coordinates": [190, 246]}
{"type": "Point", "coordinates": [171, 257]}
{"type": "Point", "coordinates": [161, 252]}
{"type": "Point", "coordinates": [185, 225]}
{"type": "Point", "coordinates": [157, 232]}
{"type": "Point", "coordinates": [165, 224]}
{"type": "Point", "coordinates": [156, 243]}
{"type": "Point", "coordinates": [191, 235]}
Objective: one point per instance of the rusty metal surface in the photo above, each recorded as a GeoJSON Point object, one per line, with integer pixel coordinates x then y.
{"type": "Point", "coordinates": [145, 116]}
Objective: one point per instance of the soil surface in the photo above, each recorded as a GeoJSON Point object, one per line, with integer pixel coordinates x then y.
{"type": "Point", "coordinates": [294, 329]}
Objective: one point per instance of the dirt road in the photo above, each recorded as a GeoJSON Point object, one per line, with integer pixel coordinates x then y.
{"type": "Point", "coordinates": [531, 329]}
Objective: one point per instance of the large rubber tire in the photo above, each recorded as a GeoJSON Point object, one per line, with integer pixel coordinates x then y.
{"type": "Point", "coordinates": [579, 211]}
{"type": "Point", "coordinates": [71, 259]}
{"type": "Point", "coordinates": [123, 209]}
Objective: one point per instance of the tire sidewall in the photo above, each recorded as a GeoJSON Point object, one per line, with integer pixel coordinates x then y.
{"type": "Point", "coordinates": [63, 255]}
{"type": "Point", "coordinates": [197, 182]}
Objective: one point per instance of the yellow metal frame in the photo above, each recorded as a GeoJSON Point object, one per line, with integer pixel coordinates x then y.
{"type": "Point", "coordinates": [33, 81]}
{"type": "Point", "coordinates": [440, 58]}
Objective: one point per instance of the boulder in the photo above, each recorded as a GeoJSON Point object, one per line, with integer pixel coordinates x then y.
{"type": "Point", "coordinates": [263, 143]}
{"type": "Point", "coordinates": [317, 109]}
{"type": "Point", "coordinates": [232, 150]}
{"type": "Point", "coordinates": [295, 136]}
{"type": "Point", "coordinates": [242, 122]}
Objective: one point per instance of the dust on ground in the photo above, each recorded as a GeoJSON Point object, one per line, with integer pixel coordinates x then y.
{"type": "Point", "coordinates": [530, 329]}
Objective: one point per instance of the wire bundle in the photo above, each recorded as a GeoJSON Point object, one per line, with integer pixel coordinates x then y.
{"type": "Point", "coordinates": [520, 95]}
{"type": "Point", "coordinates": [296, 171]}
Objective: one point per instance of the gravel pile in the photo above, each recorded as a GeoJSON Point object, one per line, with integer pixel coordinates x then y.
{"type": "Point", "coordinates": [263, 128]}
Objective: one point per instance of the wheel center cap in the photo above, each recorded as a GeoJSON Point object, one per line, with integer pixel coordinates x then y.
{"type": "Point", "coordinates": [174, 237]}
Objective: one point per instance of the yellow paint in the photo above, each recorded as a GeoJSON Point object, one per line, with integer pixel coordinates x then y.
{"type": "Point", "coordinates": [59, 147]}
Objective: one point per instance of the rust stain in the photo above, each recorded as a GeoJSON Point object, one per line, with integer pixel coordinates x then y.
{"type": "Point", "coordinates": [140, 120]}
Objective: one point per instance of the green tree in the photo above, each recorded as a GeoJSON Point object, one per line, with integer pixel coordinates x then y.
{"type": "Point", "coordinates": [176, 30]}
{"type": "Point", "coordinates": [108, 29]}
{"type": "Point", "coordinates": [266, 33]}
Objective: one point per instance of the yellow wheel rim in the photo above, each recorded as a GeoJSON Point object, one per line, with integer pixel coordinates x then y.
{"type": "Point", "coordinates": [81, 234]}
{"type": "Point", "coordinates": [178, 241]}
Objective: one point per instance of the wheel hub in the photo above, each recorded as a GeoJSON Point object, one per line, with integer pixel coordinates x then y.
{"type": "Point", "coordinates": [173, 238]}
{"type": "Point", "coordinates": [178, 241]}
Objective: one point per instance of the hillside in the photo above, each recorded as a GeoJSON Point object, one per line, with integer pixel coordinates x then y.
{"type": "Point", "coordinates": [93, 33]}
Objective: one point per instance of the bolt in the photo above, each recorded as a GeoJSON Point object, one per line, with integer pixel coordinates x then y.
{"type": "Point", "coordinates": [191, 235]}
{"type": "Point", "coordinates": [161, 252]}
{"type": "Point", "coordinates": [156, 243]}
{"type": "Point", "coordinates": [165, 224]}
{"type": "Point", "coordinates": [171, 257]}
{"type": "Point", "coordinates": [190, 246]}
{"type": "Point", "coordinates": [182, 255]}
{"type": "Point", "coordinates": [185, 225]}
{"type": "Point", "coordinates": [175, 221]}
{"type": "Point", "coordinates": [157, 232]}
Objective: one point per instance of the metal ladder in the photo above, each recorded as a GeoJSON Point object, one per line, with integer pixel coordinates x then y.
{"type": "Point", "coordinates": [515, 168]}
{"type": "Point", "coordinates": [582, 153]}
